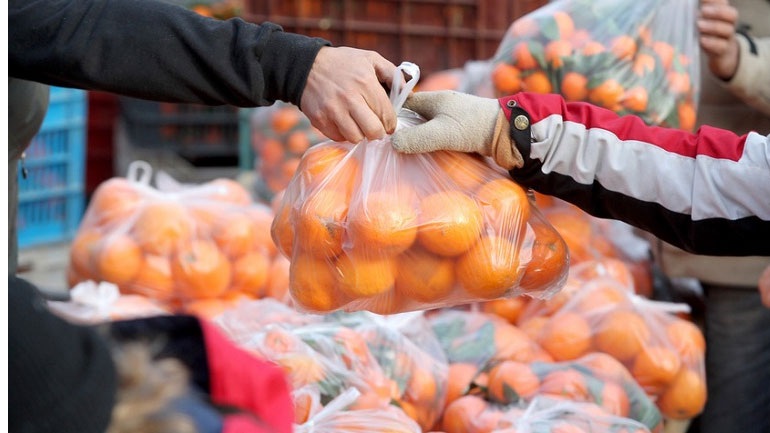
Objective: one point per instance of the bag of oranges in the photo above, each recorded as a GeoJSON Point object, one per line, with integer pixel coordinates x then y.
{"type": "Point", "coordinates": [368, 228]}
{"type": "Point", "coordinates": [280, 134]}
{"type": "Point", "coordinates": [193, 243]}
{"type": "Point", "coordinates": [632, 57]}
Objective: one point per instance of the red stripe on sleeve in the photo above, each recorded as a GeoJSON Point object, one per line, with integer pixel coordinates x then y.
{"type": "Point", "coordinates": [708, 141]}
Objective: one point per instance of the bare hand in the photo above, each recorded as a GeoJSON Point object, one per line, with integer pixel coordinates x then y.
{"type": "Point", "coordinates": [764, 287]}
{"type": "Point", "coordinates": [344, 97]}
{"type": "Point", "coordinates": [717, 37]}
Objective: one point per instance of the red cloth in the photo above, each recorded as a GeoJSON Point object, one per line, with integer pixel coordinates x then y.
{"type": "Point", "coordinates": [239, 379]}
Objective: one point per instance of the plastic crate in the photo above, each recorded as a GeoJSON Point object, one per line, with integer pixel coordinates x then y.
{"type": "Point", "coordinates": [203, 135]}
{"type": "Point", "coordinates": [434, 34]}
{"type": "Point", "coordinates": [51, 198]}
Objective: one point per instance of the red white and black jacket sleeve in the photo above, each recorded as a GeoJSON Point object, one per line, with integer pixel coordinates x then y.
{"type": "Point", "coordinates": [707, 192]}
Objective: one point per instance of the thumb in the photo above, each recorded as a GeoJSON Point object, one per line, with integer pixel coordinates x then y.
{"type": "Point", "coordinates": [427, 137]}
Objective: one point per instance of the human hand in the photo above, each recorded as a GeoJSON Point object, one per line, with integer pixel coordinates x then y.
{"type": "Point", "coordinates": [764, 287]}
{"type": "Point", "coordinates": [717, 36]}
{"type": "Point", "coordinates": [344, 97]}
{"type": "Point", "coordinates": [459, 122]}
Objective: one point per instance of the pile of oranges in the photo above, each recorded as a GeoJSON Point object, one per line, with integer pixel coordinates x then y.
{"type": "Point", "coordinates": [198, 248]}
{"type": "Point", "coordinates": [280, 134]}
{"type": "Point", "coordinates": [368, 228]}
{"type": "Point", "coordinates": [628, 57]}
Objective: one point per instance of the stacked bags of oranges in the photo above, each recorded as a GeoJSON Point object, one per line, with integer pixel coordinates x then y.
{"type": "Point", "coordinates": [663, 351]}
{"type": "Point", "coordinates": [280, 134]}
{"type": "Point", "coordinates": [472, 78]}
{"type": "Point", "coordinates": [195, 244]}
{"type": "Point", "coordinates": [367, 228]}
{"type": "Point", "coordinates": [637, 57]}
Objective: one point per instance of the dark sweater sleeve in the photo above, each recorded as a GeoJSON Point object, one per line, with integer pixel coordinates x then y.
{"type": "Point", "coordinates": [153, 50]}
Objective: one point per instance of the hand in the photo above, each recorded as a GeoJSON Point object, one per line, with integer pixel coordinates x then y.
{"type": "Point", "coordinates": [717, 37]}
{"type": "Point", "coordinates": [344, 97]}
{"type": "Point", "coordinates": [458, 122]}
{"type": "Point", "coordinates": [764, 287]}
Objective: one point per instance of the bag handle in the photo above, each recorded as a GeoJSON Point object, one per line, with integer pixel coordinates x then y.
{"type": "Point", "coordinates": [401, 89]}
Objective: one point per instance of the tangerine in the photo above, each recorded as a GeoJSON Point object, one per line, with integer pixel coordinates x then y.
{"type": "Point", "coordinates": [622, 334]}
{"type": "Point", "coordinates": [113, 201]}
{"type": "Point", "coordinates": [383, 221]}
{"type": "Point", "coordinates": [511, 381]}
{"type": "Point", "coordinates": [364, 276]}
{"type": "Point", "coordinates": [82, 251]}
{"type": "Point", "coordinates": [162, 226]}
{"type": "Point", "coordinates": [623, 47]}
{"type": "Point", "coordinates": [509, 309]}
{"type": "Point", "coordinates": [566, 336]}
{"type": "Point", "coordinates": [523, 58]}
{"type": "Point", "coordinates": [687, 339]}
{"type": "Point", "coordinates": [635, 99]}
{"type": "Point", "coordinates": [460, 415]}
{"type": "Point", "coordinates": [250, 273]}
{"type": "Point", "coordinates": [201, 270]}
{"type": "Point", "coordinates": [565, 24]}
{"type": "Point", "coordinates": [284, 119]}
{"type": "Point", "coordinates": [312, 284]}
{"type": "Point", "coordinates": [566, 382]}
{"type": "Point", "coordinates": [119, 259]}
{"type": "Point", "coordinates": [607, 94]}
{"type": "Point", "coordinates": [154, 278]}
{"type": "Point", "coordinates": [459, 380]}
{"type": "Point", "coordinates": [234, 233]}
{"type": "Point", "coordinates": [298, 142]}
{"type": "Point", "coordinates": [505, 206]}
{"type": "Point", "coordinates": [574, 86]}
{"type": "Point", "coordinates": [537, 82]}
{"type": "Point", "coordinates": [424, 276]}
{"type": "Point", "coordinates": [450, 223]}
{"type": "Point", "coordinates": [685, 397]}
{"type": "Point", "coordinates": [549, 261]}
{"type": "Point", "coordinates": [655, 367]}
{"type": "Point", "coordinates": [490, 268]}
{"type": "Point", "coordinates": [556, 51]}
{"type": "Point", "coordinates": [320, 223]}
{"type": "Point", "coordinates": [614, 399]}
{"type": "Point", "coordinates": [277, 286]}
{"type": "Point", "coordinates": [506, 79]}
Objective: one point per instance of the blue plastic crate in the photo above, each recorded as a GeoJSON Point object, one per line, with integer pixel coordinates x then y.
{"type": "Point", "coordinates": [52, 197]}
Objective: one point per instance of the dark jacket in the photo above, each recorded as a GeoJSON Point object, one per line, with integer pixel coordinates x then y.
{"type": "Point", "coordinates": [153, 50]}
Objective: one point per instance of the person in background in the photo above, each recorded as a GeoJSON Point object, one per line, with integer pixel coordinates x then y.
{"type": "Point", "coordinates": [158, 51]}
{"type": "Point", "coordinates": [735, 95]}
{"type": "Point", "coordinates": [163, 374]}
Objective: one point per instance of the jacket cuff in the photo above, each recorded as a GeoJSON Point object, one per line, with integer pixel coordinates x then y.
{"type": "Point", "coordinates": [520, 124]}
{"type": "Point", "coordinates": [286, 76]}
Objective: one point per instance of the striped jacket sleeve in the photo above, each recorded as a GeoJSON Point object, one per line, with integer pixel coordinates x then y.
{"type": "Point", "coordinates": [706, 192]}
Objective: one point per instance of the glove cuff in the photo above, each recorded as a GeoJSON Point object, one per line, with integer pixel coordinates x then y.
{"type": "Point", "coordinates": [504, 151]}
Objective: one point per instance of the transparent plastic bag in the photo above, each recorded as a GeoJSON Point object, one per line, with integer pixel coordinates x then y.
{"type": "Point", "coordinates": [368, 228]}
{"type": "Point", "coordinates": [637, 57]}
{"type": "Point", "coordinates": [180, 244]}
{"type": "Point", "coordinates": [93, 303]}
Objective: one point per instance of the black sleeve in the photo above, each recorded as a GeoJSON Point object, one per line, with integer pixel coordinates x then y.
{"type": "Point", "coordinates": [153, 50]}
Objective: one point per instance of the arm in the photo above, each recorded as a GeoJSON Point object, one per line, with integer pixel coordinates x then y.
{"type": "Point", "coordinates": [707, 192]}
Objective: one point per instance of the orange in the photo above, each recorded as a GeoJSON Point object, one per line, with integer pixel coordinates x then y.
{"type": "Point", "coordinates": [82, 251]}
{"type": "Point", "coordinates": [228, 190]}
{"type": "Point", "coordinates": [549, 260]}
{"type": "Point", "coordinates": [277, 285]}
{"type": "Point", "coordinates": [506, 79]}
{"type": "Point", "coordinates": [511, 381]}
{"type": "Point", "coordinates": [605, 366]}
{"type": "Point", "coordinates": [201, 270]}
{"type": "Point", "coordinates": [574, 86]}
{"type": "Point", "coordinates": [568, 383]}
{"type": "Point", "coordinates": [523, 26]}
{"type": "Point", "coordinates": [288, 168]}
{"type": "Point", "coordinates": [523, 58]}
{"type": "Point", "coordinates": [271, 153]}
{"type": "Point", "coordinates": [686, 113]}
{"type": "Point", "coordinates": [312, 284]}
{"type": "Point", "coordinates": [422, 386]}
{"type": "Point", "coordinates": [565, 24]}
{"type": "Point", "coordinates": [537, 82]}
{"type": "Point", "coordinates": [207, 308]}
{"type": "Point", "coordinates": [282, 230]}
{"type": "Point", "coordinates": [460, 415]}
{"type": "Point", "coordinates": [154, 278]}
{"type": "Point", "coordinates": [622, 334]}
{"type": "Point", "coordinates": [511, 343]}
{"type": "Point", "coordinates": [688, 340]}
{"type": "Point", "coordinates": [509, 309]}
{"type": "Point", "coordinates": [607, 94]}
{"type": "Point", "coordinates": [250, 273]}
{"type": "Point", "coordinates": [320, 223]}
{"type": "Point", "coordinates": [576, 230]}
{"type": "Point", "coordinates": [113, 201]}
{"type": "Point", "coordinates": [505, 207]}
{"type": "Point", "coordinates": [623, 47]}
{"type": "Point", "coordinates": [450, 222]}
{"type": "Point", "coordinates": [119, 259]}
{"type": "Point", "coordinates": [261, 219]}
{"type": "Point", "coordinates": [303, 369]}
{"type": "Point", "coordinates": [635, 99]}
{"type": "Point", "coordinates": [459, 380]}
{"type": "Point", "coordinates": [580, 38]}
{"type": "Point", "coordinates": [678, 82]}
{"type": "Point", "coordinates": [277, 341]}
{"type": "Point", "coordinates": [234, 233]}
{"type": "Point", "coordinates": [655, 367]}
{"type": "Point", "coordinates": [566, 336]}
{"type": "Point", "coordinates": [614, 399]}
{"type": "Point", "coordinates": [318, 161]}
{"type": "Point", "coordinates": [383, 221]}
{"type": "Point", "coordinates": [162, 226]}
{"type": "Point", "coordinates": [685, 397]}
{"type": "Point", "coordinates": [598, 298]}
{"type": "Point", "coordinates": [389, 302]}
{"type": "Point", "coordinates": [665, 52]}
{"type": "Point", "coordinates": [284, 119]}
{"type": "Point", "coordinates": [305, 405]}
{"type": "Point", "coordinates": [534, 326]}
{"type": "Point", "coordinates": [298, 142]}
{"type": "Point", "coordinates": [556, 51]}
{"type": "Point", "coordinates": [442, 80]}
{"type": "Point", "coordinates": [465, 171]}
{"type": "Point", "coordinates": [592, 48]}
{"type": "Point", "coordinates": [643, 64]}
{"type": "Point", "coordinates": [363, 276]}
{"type": "Point", "coordinates": [490, 268]}
{"type": "Point", "coordinates": [424, 276]}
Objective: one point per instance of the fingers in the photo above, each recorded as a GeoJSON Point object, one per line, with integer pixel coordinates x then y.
{"type": "Point", "coordinates": [428, 137]}
{"type": "Point", "coordinates": [764, 287]}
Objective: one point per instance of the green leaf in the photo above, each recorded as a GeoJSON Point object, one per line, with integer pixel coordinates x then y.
{"type": "Point", "coordinates": [510, 395]}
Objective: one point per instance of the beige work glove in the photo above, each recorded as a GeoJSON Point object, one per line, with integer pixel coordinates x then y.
{"type": "Point", "coordinates": [459, 122]}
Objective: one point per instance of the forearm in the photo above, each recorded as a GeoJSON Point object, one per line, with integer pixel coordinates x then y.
{"type": "Point", "coordinates": [707, 192]}
{"type": "Point", "coordinates": [152, 50]}
{"type": "Point", "coordinates": [750, 81]}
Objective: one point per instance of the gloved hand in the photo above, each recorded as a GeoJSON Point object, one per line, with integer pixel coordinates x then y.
{"type": "Point", "coordinates": [459, 122]}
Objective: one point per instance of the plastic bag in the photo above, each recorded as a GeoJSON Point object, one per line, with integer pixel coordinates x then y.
{"type": "Point", "coordinates": [368, 228]}
{"type": "Point", "coordinates": [92, 303]}
{"type": "Point", "coordinates": [664, 353]}
{"type": "Point", "coordinates": [280, 134]}
{"type": "Point", "coordinates": [630, 56]}
{"type": "Point", "coordinates": [183, 244]}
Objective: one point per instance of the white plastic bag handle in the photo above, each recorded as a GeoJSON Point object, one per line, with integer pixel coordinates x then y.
{"type": "Point", "coordinates": [401, 89]}
{"type": "Point", "coordinates": [139, 171]}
